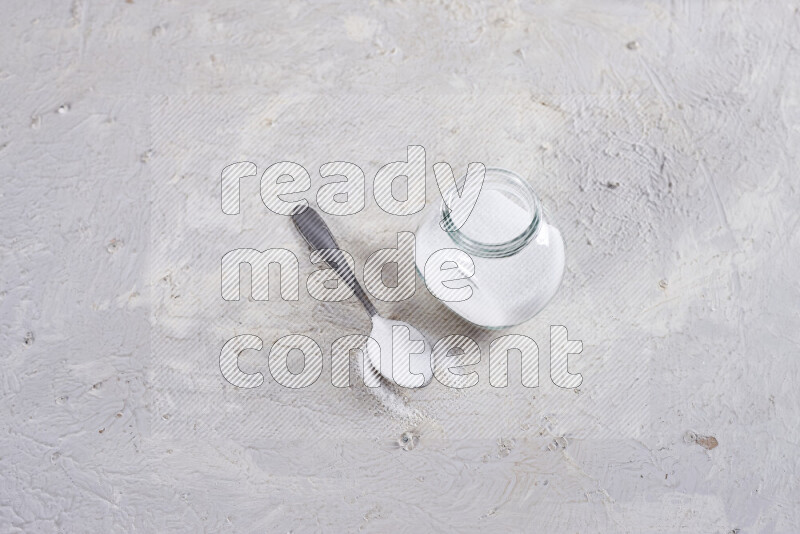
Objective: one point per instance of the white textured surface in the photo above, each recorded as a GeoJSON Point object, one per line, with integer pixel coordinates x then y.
{"type": "Point", "coordinates": [680, 218]}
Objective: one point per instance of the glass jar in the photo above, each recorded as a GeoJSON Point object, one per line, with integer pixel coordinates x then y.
{"type": "Point", "coordinates": [518, 256]}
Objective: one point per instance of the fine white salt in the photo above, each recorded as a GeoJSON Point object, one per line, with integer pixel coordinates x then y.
{"type": "Point", "coordinates": [496, 219]}
{"type": "Point", "coordinates": [405, 354]}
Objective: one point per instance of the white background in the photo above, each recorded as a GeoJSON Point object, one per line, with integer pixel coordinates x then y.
{"type": "Point", "coordinates": [672, 171]}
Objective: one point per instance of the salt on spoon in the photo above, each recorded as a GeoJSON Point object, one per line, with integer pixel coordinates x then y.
{"type": "Point", "coordinates": [411, 367]}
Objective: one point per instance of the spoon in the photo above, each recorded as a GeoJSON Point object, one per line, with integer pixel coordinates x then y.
{"type": "Point", "coordinates": [411, 365]}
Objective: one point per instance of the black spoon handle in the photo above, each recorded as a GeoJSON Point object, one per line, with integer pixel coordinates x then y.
{"type": "Point", "coordinates": [319, 237]}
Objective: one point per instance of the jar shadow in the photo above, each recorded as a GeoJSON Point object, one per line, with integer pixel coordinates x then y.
{"type": "Point", "coordinates": [435, 320]}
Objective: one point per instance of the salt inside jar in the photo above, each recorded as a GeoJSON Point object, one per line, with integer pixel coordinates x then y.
{"type": "Point", "coordinates": [518, 256]}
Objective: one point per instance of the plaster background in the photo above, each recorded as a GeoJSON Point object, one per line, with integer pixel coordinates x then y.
{"type": "Point", "coordinates": [680, 280]}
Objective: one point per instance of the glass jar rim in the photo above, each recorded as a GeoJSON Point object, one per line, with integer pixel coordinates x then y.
{"type": "Point", "coordinates": [522, 189]}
